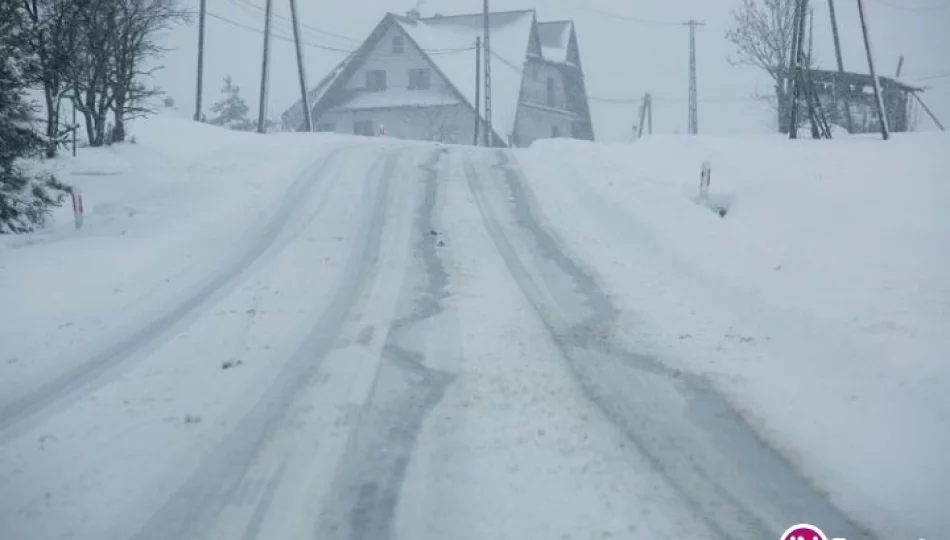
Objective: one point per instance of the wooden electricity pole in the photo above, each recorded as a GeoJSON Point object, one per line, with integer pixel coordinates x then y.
{"type": "Point", "coordinates": [794, 71]}
{"type": "Point", "coordinates": [916, 96]}
{"type": "Point", "coordinates": [304, 96]}
{"type": "Point", "coordinates": [802, 85]}
{"type": "Point", "coordinates": [486, 43]}
{"type": "Point", "coordinates": [878, 99]}
{"type": "Point", "coordinates": [840, 88]}
{"type": "Point", "coordinates": [478, 86]}
{"type": "Point", "coordinates": [834, 33]}
{"type": "Point", "coordinates": [646, 116]}
{"type": "Point", "coordinates": [262, 111]}
{"type": "Point", "coordinates": [201, 60]}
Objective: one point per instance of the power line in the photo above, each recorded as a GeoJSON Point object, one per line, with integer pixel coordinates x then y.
{"type": "Point", "coordinates": [626, 18]}
{"type": "Point", "coordinates": [637, 100]}
{"type": "Point", "coordinates": [274, 35]}
{"type": "Point", "coordinates": [935, 7]}
{"type": "Point", "coordinates": [328, 47]}
{"type": "Point", "coordinates": [629, 100]}
{"type": "Point", "coordinates": [247, 4]}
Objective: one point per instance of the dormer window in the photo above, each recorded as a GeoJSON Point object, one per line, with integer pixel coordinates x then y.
{"type": "Point", "coordinates": [399, 45]}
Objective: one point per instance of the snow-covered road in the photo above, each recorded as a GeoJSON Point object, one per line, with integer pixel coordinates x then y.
{"type": "Point", "coordinates": [401, 348]}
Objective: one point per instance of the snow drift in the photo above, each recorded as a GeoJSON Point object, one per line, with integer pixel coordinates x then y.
{"type": "Point", "coordinates": [820, 303]}
{"type": "Point", "coordinates": [160, 213]}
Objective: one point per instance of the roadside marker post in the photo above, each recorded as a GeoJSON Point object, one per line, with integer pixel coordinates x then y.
{"type": "Point", "coordinates": [705, 176]}
{"type": "Point", "coordinates": [77, 206]}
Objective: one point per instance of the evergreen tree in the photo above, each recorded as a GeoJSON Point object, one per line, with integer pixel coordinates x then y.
{"type": "Point", "coordinates": [232, 110]}
{"type": "Point", "coordinates": [25, 198]}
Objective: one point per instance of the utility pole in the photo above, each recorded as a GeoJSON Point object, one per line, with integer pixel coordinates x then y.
{"type": "Point", "coordinates": [834, 33]}
{"type": "Point", "coordinates": [804, 65]}
{"type": "Point", "coordinates": [262, 110]}
{"type": "Point", "coordinates": [811, 35]}
{"type": "Point", "coordinates": [916, 96]}
{"type": "Point", "coordinates": [840, 87]}
{"type": "Point", "coordinates": [693, 91]}
{"type": "Point", "coordinates": [304, 96]}
{"type": "Point", "coordinates": [646, 115]}
{"type": "Point", "coordinates": [201, 60]}
{"type": "Point", "coordinates": [648, 103]}
{"type": "Point", "coordinates": [486, 43]}
{"type": "Point", "coordinates": [885, 129]}
{"type": "Point", "coordinates": [795, 70]}
{"type": "Point", "coordinates": [478, 86]}
{"type": "Point", "coordinates": [802, 85]}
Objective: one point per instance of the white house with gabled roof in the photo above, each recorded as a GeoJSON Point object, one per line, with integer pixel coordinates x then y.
{"type": "Point", "coordinates": [414, 78]}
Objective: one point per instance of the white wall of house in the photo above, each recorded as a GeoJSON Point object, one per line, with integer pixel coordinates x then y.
{"type": "Point", "coordinates": [396, 65]}
{"type": "Point", "coordinates": [543, 112]}
{"type": "Point", "coordinates": [535, 86]}
{"type": "Point", "coordinates": [541, 123]}
{"type": "Point", "coordinates": [443, 123]}
{"type": "Point", "coordinates": [453, 124]}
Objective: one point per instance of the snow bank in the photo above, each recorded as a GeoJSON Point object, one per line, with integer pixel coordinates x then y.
{"type": "Point", "coordinates": [160, 214]}
{"type": "Point", "coordinates": [820, 303]}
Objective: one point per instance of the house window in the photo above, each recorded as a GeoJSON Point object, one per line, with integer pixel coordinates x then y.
{"type": "Point", "coordinates": [419, 79]}
{"type": "Point", "coordinates": [376, 80]}
{"type": "Point", "coordinates": [399, 45]}
{"type": "Point", "coordinates": [555, 131]}
{"type": "Point", "coordinates": [363, 128]}
{"type": "Point", "coordinates": [551, 97]}
{"type": "Point", "coordinates": [326, 128]}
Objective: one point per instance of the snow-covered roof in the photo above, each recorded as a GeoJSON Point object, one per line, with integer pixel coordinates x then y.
{"type": "Point", "coordinates": [443, 36]}
{"type": "Point", "coordinates": [555, 40]}
{"type": "Point", "coordinates": [293, 116]}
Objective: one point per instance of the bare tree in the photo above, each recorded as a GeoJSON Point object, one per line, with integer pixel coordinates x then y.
{"type": "Point", "coordinates": [94, 52]}
{"type": "Point", "coordinates": [762, 35]}
{"type": "Point", "coordinates": [53, 28]}
{"type": "Point", "coordinates": [116, 39]}
{"type": "Point", "coordinates": [438, 124]}
{"type": "Point", "coordinates": [137, 24]}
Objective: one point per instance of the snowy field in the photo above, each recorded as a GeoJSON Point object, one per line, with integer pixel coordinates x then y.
{"type": "Point", "coordinates": [292, 336]}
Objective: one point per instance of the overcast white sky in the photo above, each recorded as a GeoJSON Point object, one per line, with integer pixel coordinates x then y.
{"type": "Point", "coordinates": [623, 58]}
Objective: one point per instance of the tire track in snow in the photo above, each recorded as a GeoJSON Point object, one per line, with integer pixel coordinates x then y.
{"type": "Point", "coordinates": [56, 394]}
{"type": "Point", "coordinates": [736, 484]}
{"type": "Point", "coordinates": [365, 494]}
{"type": "Point", "coordinates": [192, 510]}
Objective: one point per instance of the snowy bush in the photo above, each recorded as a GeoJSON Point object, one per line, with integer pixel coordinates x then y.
{"type": "Point", "coordinates": [232, 109]}
{"type": "Point", "coordinates": [26, 197]}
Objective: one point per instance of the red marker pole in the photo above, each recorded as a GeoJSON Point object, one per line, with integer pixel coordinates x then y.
{"type": "Point", "coordinates": [77, 206]}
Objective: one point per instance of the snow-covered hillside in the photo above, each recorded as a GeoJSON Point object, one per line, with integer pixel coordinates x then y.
{"type": "Point", "coordinates": [299, 335]}
{"type": "Point", "coordinates": [820, 303]}
{"type": "Point", "coordinates": [160, 216]}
